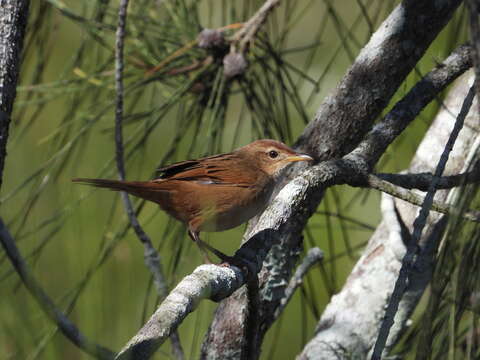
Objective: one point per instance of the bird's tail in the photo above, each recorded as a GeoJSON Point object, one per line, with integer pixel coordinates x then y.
{"type": "Point", "coordinates": [143, 189]}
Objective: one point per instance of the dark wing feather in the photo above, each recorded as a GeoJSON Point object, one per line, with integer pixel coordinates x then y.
{"type": "Point", "coordinates": [215, 170]}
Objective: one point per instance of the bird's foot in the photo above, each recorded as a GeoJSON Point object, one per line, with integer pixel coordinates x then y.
{"type": "Point", "coordinates": [248, 267]}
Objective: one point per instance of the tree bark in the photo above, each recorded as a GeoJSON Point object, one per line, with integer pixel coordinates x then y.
{"type": "Point", "coordinates": [13, 21]}
{"type": "Point", "coordinates": [339, 125]}
{"type": "Point", "coordinates": [349, 325]}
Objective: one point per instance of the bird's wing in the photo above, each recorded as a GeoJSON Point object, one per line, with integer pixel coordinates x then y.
{"type": "Point", "coordinates": [213, 170]}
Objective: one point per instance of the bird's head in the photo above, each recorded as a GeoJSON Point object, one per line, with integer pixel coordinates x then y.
{"type": "Point", "coordinates": [271, 156]}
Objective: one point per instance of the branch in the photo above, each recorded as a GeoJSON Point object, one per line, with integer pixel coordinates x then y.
{"type": "Point", "coordinates": [418, 226]}
{"type": "Point", "coordinates": [422, 181]}
{"type": "Point", "coordinates": [67, 327]}
{"type": "Point", "coordinates": [206, 282]}
{"type": "Point", "coordinates": [13, 21]}
{"type": "Point", "coordinates": [314, 256]}
{"type": "Point", "coordinates": [418, 200]}
{"type": "Point", "coordinates": [286, 214]}
{"type": "Point", "coordinates": [407, 109]}
{"type": "Point", "coordinates": [249, 349]}
{"type": "Point", "coordinates": [247, 33]}
{"type": "Point", "coordinates": [474, 12]}
{"type": "Point", "coordinates": [151, 256]}
{"type": "Point", "coordinates": [351, 320]}
{"type": "Point", "coordinates": [152, 259]}
{"type": "Point", "coordinates": [382, 65]}
{"type": "Point", "coordinates": [341, 123]}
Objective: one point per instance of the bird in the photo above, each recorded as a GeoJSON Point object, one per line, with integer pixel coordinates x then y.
{"type": "Point", "coordinates": [214, 193]}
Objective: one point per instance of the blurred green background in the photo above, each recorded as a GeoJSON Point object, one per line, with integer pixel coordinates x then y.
{"type": "Point", "coordinates": [76, 239]}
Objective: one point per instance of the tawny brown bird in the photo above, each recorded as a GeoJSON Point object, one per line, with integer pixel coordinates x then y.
{"type": "Point", "coordinates": [214, 193]}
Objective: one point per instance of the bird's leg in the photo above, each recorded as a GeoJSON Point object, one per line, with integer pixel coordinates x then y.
{"type": "Point", "coordinates": [247, 266]}
{"type": "Point", "coordinates": [203, 246]}
{"type": "Point", "coordinates": [194, 236]}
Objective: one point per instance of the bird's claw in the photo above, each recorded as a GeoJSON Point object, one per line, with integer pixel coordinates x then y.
{"type": "Point", "coordinates": [246, 266]}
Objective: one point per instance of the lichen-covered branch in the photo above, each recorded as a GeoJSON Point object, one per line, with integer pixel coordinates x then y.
{"type": "Point", "coordinates": [339, 125]}
{"type": "Point", "coordinates": [350, 323]}
{"type": "Point", "coordinates": [313, 257]}
{"type": "Point", "coordinates": [408, 261]}
{"type": "Point", "coordinates": [348, 113]}
{"type": "Point", "coordinates": [416, 199]}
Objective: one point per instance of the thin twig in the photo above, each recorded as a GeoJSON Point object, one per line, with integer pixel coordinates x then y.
{"type": "Point", "coordinates": [151, 256]}
{"type": "Point", "coordinates": [418, 225]}
{"type": "Point", "coordinates": [423, 180]}
{"type": "Point", "coordinates": [314, 256]}
{"type": "Point", "coordinates": [415, 199]}
{"type": "Point", "coordinates": [68, 328]}
{"type": "Point", "coordinates": [247, 33]}
{"type": "Point", "coordinates": [347, 218]}
{"type": "Point", "coordinates": [11, 39]}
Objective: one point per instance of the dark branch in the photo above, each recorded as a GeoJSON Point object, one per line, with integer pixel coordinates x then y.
{"type": "Point", "coordinates": [415, 199]}
{"type": "Point", "coordinates": [252, 328]}
{"type": "Point", "coordinates": [314, 256]}
{"type": "Point", "coordinates": [407, 109]}
{"type": "Point", "coordinates": [68, 328]}
{"type": "Point", "coordinates": [382, 65]}
{"type": "Point", "coordinates": [13, 21]}
{"type": "Point", "coordinates": [418, 225]}
{"type": "Point", "coordinates": [206, 282]}
{"type": "Point", "coordinates": [151, 256]}
{"type": "Point", "coordinates": [152, 259]}
{"type": "Point", "coordinates": [422, 181]}
{"type": "Point", "coordinates": [474, 12]}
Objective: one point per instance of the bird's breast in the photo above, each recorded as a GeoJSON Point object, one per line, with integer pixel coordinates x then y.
{"type": "Point", "coordinates": [232, 207]}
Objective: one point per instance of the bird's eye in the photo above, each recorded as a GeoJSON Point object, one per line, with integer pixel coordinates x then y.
{"type": "Point", "coordinates": [273, 154]}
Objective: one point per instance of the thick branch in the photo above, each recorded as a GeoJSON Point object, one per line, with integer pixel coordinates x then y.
{"type": "Point", "coordinates": [406, 110]}
{"type": "Point", "coordinates": [314, 256]}
{"type": "Point", "coordinates": [206, 282]}
{"type": "Point", "coordinates": [350, 322]}
{"type": "Point", "coordinates": [13, 20]}
{"type": "Point", "coordinates": [383, 64]}
{"type": "Point", "coordinates": [341, 123]}
{"type": "Point", "coordinates": [418, 226]}
{"type": "Point", "coordinates": [286, 215]}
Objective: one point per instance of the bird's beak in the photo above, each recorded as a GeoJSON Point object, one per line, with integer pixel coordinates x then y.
{"type": "Point", "coordinates": [299, 157]}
